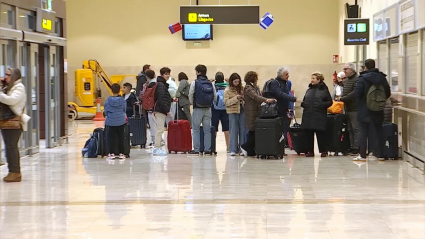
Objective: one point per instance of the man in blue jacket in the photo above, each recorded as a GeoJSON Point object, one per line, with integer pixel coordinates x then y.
{"type": "Point", "coordinates": [280, 91]}
{"type": "Point", "coordinates": [366, 117]}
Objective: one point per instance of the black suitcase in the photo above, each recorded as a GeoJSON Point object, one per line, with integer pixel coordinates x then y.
{"type": "Point", "coordinates": [213, 140]}
{"type": "Point", "coordinates": [137, 127]}
{"type": "Point", "coordinates": [99, 134]}
{"type": "Point", "coordinates": [337, 133]}
{"type": "Point", "coordinates": [297, 139]}
{"type": "Point", "coordinates": [390, 136]}
{"type": "Point", "coordinates": [126, 141]}
{"type": "Point", "coordinates": [269, 139]}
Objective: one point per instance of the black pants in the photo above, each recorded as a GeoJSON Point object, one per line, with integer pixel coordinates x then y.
{"type": "Point", "coordinates": [286, 122]}
{"type": "Point", "coordinates": [11, 139]}
{"type": "Point", "coordinates": [115, 136]}
{"type": "Point", "coordinates": [249, 146]}
{"type": "Point", "coordinates": [321, 140]}
{"type": "Point", "coordinates": [365, 129]}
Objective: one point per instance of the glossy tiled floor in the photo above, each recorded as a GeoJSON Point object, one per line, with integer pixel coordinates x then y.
{"type": "Point", "coordinates": [65, 196]}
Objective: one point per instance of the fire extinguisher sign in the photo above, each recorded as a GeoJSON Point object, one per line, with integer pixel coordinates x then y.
{"type": "Point", "coordinates": [335, 59]}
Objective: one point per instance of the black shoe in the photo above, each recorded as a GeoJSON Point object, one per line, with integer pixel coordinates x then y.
{"type": "Point", "coordinates": [208, 153]}
{"type": "Point", "coordinates": [354, 152]}
{"type": "Point", "coordinates": [193, 152]}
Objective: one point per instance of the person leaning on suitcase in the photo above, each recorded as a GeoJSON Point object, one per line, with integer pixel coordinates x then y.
{"type": "Point", "coordinates": [316, 102]}
{"type": "Point", "coordinates": [253, 100]}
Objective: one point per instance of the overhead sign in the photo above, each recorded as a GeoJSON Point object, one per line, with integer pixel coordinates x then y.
{"type": "Point", "coordinates": [356, 31]}
{"type": "Point", "coordinates": [220, 15]}
{"type": "Point", "coordinates": [45, 21]}
{"type": "Point", "coordinates": [407, 16]}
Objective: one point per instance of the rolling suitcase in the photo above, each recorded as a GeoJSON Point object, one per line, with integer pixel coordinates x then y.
{"type": "Point", "coordinates": [137, 127]}
{"type": "Point", "coordinates": [126, 139]}
{"type": "Point", "coordinates": [179, 138]}
{"type": "Point", "coordinates": [337, 133]}
{"type": "Point", "coordinates": [269, 140]}
{"type": "Point", "coordinates": [297, 139]}
{"type": "Point", "coordinates": [213, 140]}
{"type": "Point", "coordinates": [390, 136]}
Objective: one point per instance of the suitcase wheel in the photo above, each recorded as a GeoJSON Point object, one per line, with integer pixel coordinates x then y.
{"type": "Point", "coordinates": [143, 146]}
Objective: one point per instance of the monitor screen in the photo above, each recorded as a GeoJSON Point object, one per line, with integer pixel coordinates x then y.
{"type": "Point", "coordinates": [197, 32]}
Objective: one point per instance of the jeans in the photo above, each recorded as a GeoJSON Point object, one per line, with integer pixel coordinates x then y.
{"type": "Point", "coordinates": [152, 126]}
{"type": "Point", "coordinates": [353, 130]}
{"type": "Point", "coordinates": [201, 116]}
{"type": "Point", "coordinates": [364, 137]}
{"type": "Point", "coordinates": [237, 131]}
{"type": "Point", "coordinates": [11, 139]}
{"type": "Point", "coordinates": [160, 120]}
{"type": "Point", "coordinates": [115, 138]}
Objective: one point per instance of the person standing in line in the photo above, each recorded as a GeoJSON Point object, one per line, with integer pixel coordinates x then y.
{"type": "Point", "coordinates": [338, 86]}
{"type": "Point", "coordinates": [12, 102]}
{"type": "Point", "coordinates": [161, 110]}
{"type": "Point", "coordinates": [253, 100]}
{"type": "Point", "coordinates": [368, 117]}
{"type": "Point", "coordinates": [219, 114]}
{"type": "Point", "coordinates": [151, 77]}
{"type": "Point", "coordinates": [349, 98]}
{"type": "Point", "coordinates": [233, 99]}
{"type": "Point", "coordinates": [141, 80]}
{"type": "Point", "coordinates": [172, 89]}
{"type": "Point", "coordinates": [130, 99]}
{"type": "Point", "coordinates": [115, 107]}
{"type": "Point", "coordinates": [201, 95]}
{"type": "Point", "coordinates": [316, 102]}
{"type": "Point", "coordinates": [182, 95]}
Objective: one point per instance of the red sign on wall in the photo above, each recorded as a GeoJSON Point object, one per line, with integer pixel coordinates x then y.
{"type": "Point", "coordinates": [335, 59]}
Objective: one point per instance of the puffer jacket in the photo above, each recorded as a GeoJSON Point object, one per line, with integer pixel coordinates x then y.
{"type": "Point", "coordinates": [162, 97]}
{"type": "Point", "coordinates": [233, 104]}
{"type": "Point", "coordinates": [253, 100]}
{"type": "Point", "coordinates": [348, 95]}
{"type": "Point", "coordinates": [316, 101]}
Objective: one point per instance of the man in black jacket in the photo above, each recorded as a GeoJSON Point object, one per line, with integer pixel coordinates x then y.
{"type": "Point", "coordinates": [349, 99]}
{"type": "Point", "coordinates": [367, 118]}
{"type": "Point", "coordinates": [141, 79]}
{"type": "Point", "coordinates": [279, 90]}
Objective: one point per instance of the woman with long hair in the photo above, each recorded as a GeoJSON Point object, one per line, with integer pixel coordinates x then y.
{"type": "Point", "coordinates": [233, 98]}
{"type": "Point", "coordinates": [182, 95]}
{"type": "Point", "coordinates": [13, 120]}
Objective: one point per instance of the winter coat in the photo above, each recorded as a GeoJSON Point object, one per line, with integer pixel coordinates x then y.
{"type": "Point", "coordinates": [253, 100]}
{"type": "Point", "coordinates": [233, 104]}
{"type": "Point", "coordinates": [130, 105]}
{"type": "Point", "coordinates": [348, 95]}
{"type": "Point", "coordinates": [183, 93]}
{"type": "Point", "coordinates": [141, 80]}
{"type": "Point", "coordinates": [366, 80]}
{"type": "Point", "coordinates": [280, 91]}
{"type": "Point", "coordinates": [16, 98]}
{"type": "Point", "coordinates": [162, 97]}
{"type": "Point", "coordinates": [115, 111]}
{"type": "Point", "coordinates": [316, 102]}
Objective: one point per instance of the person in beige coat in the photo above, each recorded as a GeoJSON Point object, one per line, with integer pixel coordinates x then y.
{"type": "Point", "coordinates": [12, 101]}
{"type": "Point", "coordinates": [253, 100]}
{"type": "Point", "coordinates": [233, 99]}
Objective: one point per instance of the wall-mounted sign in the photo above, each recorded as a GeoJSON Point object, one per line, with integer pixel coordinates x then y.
{"type": "Point", "coordinates": [407, 16]}
{"type": "Point", "coordinates": [45, 21]}
{"type": "Point", "coordinates": [220, 15]}
{"type": "Point", "coordinates": [356, 31]}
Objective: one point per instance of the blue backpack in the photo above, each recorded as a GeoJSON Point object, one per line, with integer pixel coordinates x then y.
{"type": "Point", "coordinates": [204, 93]}
{"type": "Point", "coordinates": [219, 103]}
{"type": "Point", "coordinates": [90, 148]}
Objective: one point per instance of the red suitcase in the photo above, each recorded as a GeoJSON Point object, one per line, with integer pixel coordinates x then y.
{"type": "Point", "coordinates": [179, 137]}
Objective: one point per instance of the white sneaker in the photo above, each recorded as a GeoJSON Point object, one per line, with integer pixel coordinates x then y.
{"type": "Point", "coordinates": [244, 153]}
{"type": "Point", "coordinates": [111, 156]}
{"type": "Point", "coordinates": [150, 146]}
{"type": "Point", "coordinates": [159, 152]}
{"type": "Point", "coordinates": [359, 158]}
{"type": "Point", "coordinates": [232, 154]}
{"type": "Point", "coordinates": [122, 156]}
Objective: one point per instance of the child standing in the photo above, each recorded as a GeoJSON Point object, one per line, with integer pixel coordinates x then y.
{"type": "Point", "coordinates": [115, 107]}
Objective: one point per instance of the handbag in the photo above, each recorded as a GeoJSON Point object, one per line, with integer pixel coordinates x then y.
{"type": "Point", "coordinates": [13, 123]}
{"type": "Point", "coordinates": [336, 108]}
{"type": "Point", "coordinates": [268, 110]}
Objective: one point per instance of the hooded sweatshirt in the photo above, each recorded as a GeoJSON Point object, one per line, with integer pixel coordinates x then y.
{"type": "Point", "coordinates": [365, 81]}
{"type": "Point", "coordinates": [115, 107]}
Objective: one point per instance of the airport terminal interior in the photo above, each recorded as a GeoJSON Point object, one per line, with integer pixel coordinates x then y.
{"type": "Point", "coordinates": [71, 53]}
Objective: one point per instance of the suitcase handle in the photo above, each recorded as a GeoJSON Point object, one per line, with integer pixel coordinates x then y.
{"type": "Point", "coordinates": [140, 109]}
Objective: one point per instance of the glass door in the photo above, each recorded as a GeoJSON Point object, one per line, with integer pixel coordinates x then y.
{"type": "Point", "coordinates": [52, 85]}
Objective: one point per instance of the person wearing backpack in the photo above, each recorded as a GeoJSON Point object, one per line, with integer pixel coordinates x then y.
{"type": "Point", "coordinates": [219, 114]}
{"type": "Point", "coordinates": [233, 98]}
{"type": "Point", "coordinates": [141, 80]}
{"type": "Point", "coordinates": [151, 77]}
{"type": "Point", "coordinates": [371, 93]}
{"type": "Point", "coordinates": [158, 100]}
{"type": "Point", "coordinates": [202, 94]}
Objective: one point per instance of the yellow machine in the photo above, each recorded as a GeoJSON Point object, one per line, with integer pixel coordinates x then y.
{"type": "Point", "coordinates": [87, 89]}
